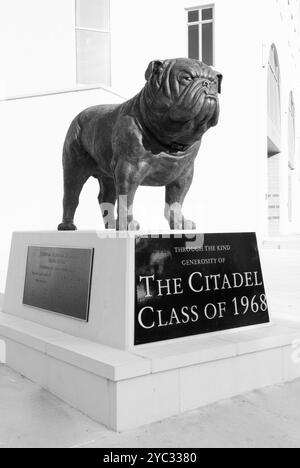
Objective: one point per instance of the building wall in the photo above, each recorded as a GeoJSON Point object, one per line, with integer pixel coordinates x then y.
{"type": "Point", "coordinates": [31, 187]}
{"type": "Point", "coordinates": [230, 184]}
{"type": "Point", "coordinates": [223, 197]}
{"type": "Point", "coordinates": [37, 49]}
{"type": "Point", "coordinates": [282, 28]}
{"type": "Point", "coordinates": [234, 155]}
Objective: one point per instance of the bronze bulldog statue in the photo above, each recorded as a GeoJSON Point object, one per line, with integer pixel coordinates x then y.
{"type": "Point", "coordinates": [151, 140]}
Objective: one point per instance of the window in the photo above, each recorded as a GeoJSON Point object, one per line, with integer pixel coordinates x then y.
{"type": "Point", "coordinates": [274, 143]}
{"type": "Point", "coordinates": [274, 103]}
{"type": "Point", "coordinates": [201, 34]}
{"type": "Point", "coordinates": [292, 151]}
{"type": "Point", "coordinates": [292, 132]}
{"type": "Point", "coordinates": [93, 42]}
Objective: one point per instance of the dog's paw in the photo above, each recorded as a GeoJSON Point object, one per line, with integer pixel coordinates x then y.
{"type": "Point", "coordinates": [134, 226]}
{"type": "Point", "coordinates": [67, 227]}
{"type": "Point", "coordinates": [183, 225]}
{"type": "Point", "coordinates": [128, 226]}
{"type": "Point", "coordinates": [189, 225]}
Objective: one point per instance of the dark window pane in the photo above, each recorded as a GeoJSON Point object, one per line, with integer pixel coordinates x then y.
{"type": "Point", "coordinates": [193, 16]}
{"type": "Point", "coordinates": [207, 43]}
{"type": "Point", "coordinates": [207, 14]}
{"type": "Point", "coordinates": [194, 42]}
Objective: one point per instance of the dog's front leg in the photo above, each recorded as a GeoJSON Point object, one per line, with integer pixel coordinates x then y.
{"type": "Point", "coordinates": [128, 177]}
{"type": "Point", "coordinates": [175, 195]}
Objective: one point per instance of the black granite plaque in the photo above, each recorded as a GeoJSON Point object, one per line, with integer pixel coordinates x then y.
{"type": "Point", "coordinates": [197, 284]}
{"type": "Point", "coordinates": [59, 280]}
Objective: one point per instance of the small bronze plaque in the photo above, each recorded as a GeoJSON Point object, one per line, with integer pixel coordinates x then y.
{"type": "Point", "coordinates": [59, 280]}
{"type": "Point", "coordinates": [189, 286]}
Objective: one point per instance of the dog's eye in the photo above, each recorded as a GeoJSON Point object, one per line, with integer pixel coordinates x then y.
{"type": "Point", "coordinates": [187, 78]}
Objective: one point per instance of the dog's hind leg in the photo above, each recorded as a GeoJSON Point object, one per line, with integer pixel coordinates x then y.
{"type": "Point", "coordinates": [76, 173]}
{"type": "Point", "coordinates": [107, 201]}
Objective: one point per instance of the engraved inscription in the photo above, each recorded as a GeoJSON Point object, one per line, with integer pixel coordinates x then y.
{"type": "Point", "coordinates": [58, 280]}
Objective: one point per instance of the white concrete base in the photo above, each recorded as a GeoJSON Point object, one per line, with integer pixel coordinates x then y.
{"type": "Point", "coordinates": [124, 390]}
{"type": "Point", "coordinates": [111, 315]}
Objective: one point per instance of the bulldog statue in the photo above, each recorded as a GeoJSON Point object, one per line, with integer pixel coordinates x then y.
{"type": "Point", "coordinates": [150, 140]}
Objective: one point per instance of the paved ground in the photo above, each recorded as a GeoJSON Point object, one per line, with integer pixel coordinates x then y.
{"type": "Point", "coordinates": [30, 417]}
{"type": "Point", "coordinates": [281, 270]}
{"type": "Point", "coordinates": [262, 419]}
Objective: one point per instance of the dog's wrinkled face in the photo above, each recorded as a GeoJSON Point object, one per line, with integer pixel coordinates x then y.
{"type": "Point", "coordinates": [184, 92]}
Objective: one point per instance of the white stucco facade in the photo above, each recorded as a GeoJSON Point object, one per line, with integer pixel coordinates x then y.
{"type": "Point", "coordinates": [230, 189]}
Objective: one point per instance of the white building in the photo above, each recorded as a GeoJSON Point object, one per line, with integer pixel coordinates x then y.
{"type": "Point", "coordinates": [61, 56]}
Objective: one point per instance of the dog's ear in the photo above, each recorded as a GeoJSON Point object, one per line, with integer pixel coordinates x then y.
{"type": "Point", "coordinates": [153, 68]}
{"type": "Point", "coordinates": [220, 79]}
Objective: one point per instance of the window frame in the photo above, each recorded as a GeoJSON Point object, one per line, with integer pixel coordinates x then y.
{"type": "Point", "coordinates": [199, 23]}
{"type": "Point", "coordinates": [292, 132]}
{"type": "Point", "coordinates": [95, 30]}
{"type": "Point", "coordinates": [274, 97]}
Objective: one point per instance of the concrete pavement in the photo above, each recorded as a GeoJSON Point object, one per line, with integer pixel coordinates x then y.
{"type": "Point", "coordinates": [281, 270]}
{"type": "Point", "coordinates": [30, 417]}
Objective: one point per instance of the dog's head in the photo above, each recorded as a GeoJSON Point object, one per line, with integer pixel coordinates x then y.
{"type": "Point", "coordinates": [183, 92]}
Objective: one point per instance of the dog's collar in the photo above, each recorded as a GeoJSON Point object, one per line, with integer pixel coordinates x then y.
{"type": "Point", "coordinates": [173, 148]}
{"type": "Point", "coordinates": [170, 149]}
{"type": "Point", "coordinates": [176, 148]}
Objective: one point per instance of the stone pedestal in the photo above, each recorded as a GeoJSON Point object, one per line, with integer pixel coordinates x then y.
{"type": "Point", "coordinates": [95, 366]}
{"type": "Point", "coordinates": [112, 289]}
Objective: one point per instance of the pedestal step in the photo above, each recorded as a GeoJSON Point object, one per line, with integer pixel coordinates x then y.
{"type": "Point", "coordinates": [125, 390]}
